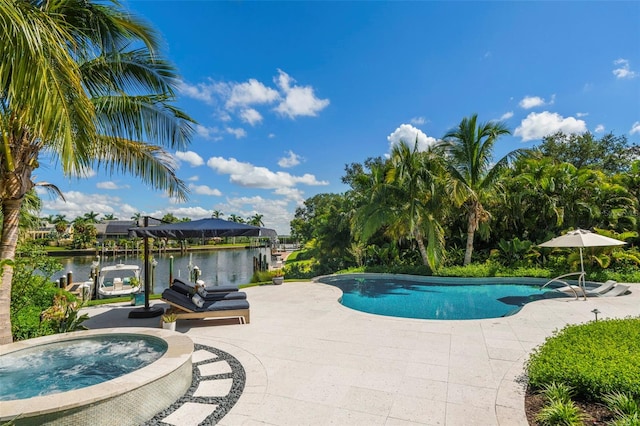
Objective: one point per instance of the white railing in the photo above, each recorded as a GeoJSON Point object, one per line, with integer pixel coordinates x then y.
{"type": "Point", "coordinates": [581, 283]}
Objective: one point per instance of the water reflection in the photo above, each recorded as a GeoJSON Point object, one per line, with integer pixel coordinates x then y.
{"type": "Point", "coordinates": [219, 267]}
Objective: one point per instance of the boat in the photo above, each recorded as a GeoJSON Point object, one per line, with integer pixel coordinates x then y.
{"type": "Point", "coordinates": [118, 281]}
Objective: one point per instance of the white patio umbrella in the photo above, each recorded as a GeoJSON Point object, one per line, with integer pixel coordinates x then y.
{"type": "Point", "coordinates": [581, 238]}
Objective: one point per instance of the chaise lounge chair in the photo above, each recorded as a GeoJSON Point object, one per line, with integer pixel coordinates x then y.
{"type": "Point", "coordinates": [226, 292]}
{"type": "Point", "coordinates": [618, 290]}
{"type": "Point", "coordinates": [229, 305]}
{"type": "Point", "coordinates": [574, 290]}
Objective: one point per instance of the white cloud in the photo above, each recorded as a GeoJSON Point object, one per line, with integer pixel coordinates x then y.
{"type": "Point", "coordinates": [292, 194]}
{"type": "Point", "coordinates": [407, 133]}
{"type": "Point", "coordinates": [204, 190]}
{"type": "Point", "coordinates": [624, 69]}
{"type": "Point", "coordinates": [271, 135]}
{"type": "Point", "coordinates": [84, 173]}
{"type": "Point", "coordinates": [298, 100]}
{"type": "Point", "coordinates": [251, 92]}
{"type": "Point", "coordinates": [599, 128]}
{"type": "Point", "coordinates": [233, 100]}
{"type": "Point", "coordinates": [507, 115]}
{"type": "Point", "coordinates": [539, 125]}
{"type": "Point", "coordinates": [276, 214]}
{"type": "Point", "coordinates": [248, 175]}
{"type": "Point", "coordinates": [418, 121]}
{"type": "Point", "coordinates": [581, 114]}
{"type": "Point", "coordinates": [635, 128]}
{"type": "Point", "coordinates": [193, 179]}
{"type": "Point", "coordinates": [78, 203]}
{"type": "Point", "coordinates": [251, 116]}
{"type": "Point", "coordinates": [223, 115]}
{"type": "Point", "coordinates": [291, 160]}
{"type": "Point", "coordinates": [190, 157]}
{"type": "Point", "coordinates": [110, 185]}
{"type": "Point", "coordinates": [529, 102]}
{"type": "Point", "coordinates": [192, 212]}
{"type": "Point", "coordinates": [202, 91]}
{"type": "Point", "coordinates": [210, 133]}
{"type": "Point", "coordinates": [238, 133]}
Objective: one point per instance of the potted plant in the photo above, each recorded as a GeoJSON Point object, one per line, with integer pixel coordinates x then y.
{"type": "Point", "coordinates": [137, 297]}
{"type": "Point", "coordinates": [169, 321]}
{"type": "Point", "coordinates": [278, 276]}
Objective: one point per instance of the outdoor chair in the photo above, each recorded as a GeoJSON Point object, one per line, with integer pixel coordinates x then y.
{"type": "Point", "coordinates": [577, 290]}
{"type": "Point", "coordinates": [618, 290]}
{"type": "Point", "coordinates": [227, 292]}
{"type": "Point", "coordinates": [233, 305]}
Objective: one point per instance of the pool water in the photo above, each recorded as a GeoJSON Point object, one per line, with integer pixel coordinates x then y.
{"type": "Point", "coordinates": [74, 364]}
{"type": "Point", "coordinates": [455, 300]}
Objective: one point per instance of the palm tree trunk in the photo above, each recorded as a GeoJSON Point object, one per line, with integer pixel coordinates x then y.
{"type": "Point", "coordinates": [10, 228]}
{"type": "Point", "coordinates": [471, 230]}
{"type": "Point", "coordinates": [421, 247]}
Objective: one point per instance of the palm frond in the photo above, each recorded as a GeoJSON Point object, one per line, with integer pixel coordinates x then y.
{"type": "Point", "coordinates": [148, 118]}
{"type": "Point", "coordinates": [150, 163]}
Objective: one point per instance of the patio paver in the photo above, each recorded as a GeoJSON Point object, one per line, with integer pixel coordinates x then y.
{"type": "Point", "coordinates": [310, 360]}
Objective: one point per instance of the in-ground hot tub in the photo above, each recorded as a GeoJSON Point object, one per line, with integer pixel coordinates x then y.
{"type": "Point", "coordinates": [129, 399]}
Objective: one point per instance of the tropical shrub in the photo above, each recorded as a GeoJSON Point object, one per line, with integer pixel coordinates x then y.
{"type": "Point", "coordinates": [557, 392]}
{"type": "Point", "coordinates": [473, 270]}
{"type": "Point", "coordinates": [594, 359]}
{"type": "Point", "coordinates": [564, 413]}
{"type": "Point", "coordinates": [261, 276]}
{"type": "Point", "coordinates": [63, 315]}
{"type": "Point", "coordinates": [626, 409]}
{"type": "Point", "coordinates": [32, 291]}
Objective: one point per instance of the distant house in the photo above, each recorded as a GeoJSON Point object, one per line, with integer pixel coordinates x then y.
{"type": "Point", "coordinates": [114, 229]}
{"type": "Point", "coordinates": [117, 229]}
{"type": "Point", "coordinates": [44, 231]}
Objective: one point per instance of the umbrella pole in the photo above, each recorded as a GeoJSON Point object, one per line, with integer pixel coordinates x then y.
{"type": "Point", "coordinates": [147, 311]}
{"type": "Point", "coordinates": [581, 280]}
{"type": "Point", "coordinates": [170, 270]}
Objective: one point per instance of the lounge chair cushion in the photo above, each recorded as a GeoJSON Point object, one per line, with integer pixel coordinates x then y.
{"type": "Point", "coordinates": [187, 287]}
{"type": "Point", "coordinates": [215, 305]}
{"type": "Point", "coordinates": [210, 296]}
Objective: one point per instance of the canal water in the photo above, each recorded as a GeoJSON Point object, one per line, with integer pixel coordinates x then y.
{"type": "Point", "coordinates": [218, 267]}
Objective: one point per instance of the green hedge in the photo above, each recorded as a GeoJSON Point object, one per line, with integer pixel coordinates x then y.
{"type": "Point", "coordinates": [594, 359]}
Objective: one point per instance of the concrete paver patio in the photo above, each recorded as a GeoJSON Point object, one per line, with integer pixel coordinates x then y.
{"type": "Point", "coordinates": [310, 360]}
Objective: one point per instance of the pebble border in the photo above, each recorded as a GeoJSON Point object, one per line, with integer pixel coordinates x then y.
{"type": "Point", "coordinates": [224, 404]}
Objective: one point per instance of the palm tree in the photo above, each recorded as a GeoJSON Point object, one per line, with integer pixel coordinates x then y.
{"type": "Point", "coordinates": [108, 216]}
{"type": "Point", "coordinates": [91, 217]}
{"type": "Point", "coordinates": [469, 150]}
{"type": "Point", "coordinates": [49, 219]}
{"type": "Point", "coordinates": [235, 218]}
{"type": "Point", "coordinates": [136, 217]}
{"type": "Point", "coordinates": [407, 201]}
{"type": "Point", "coordinates": [217, 214]}
{"type": "Point", "coordinates": [256, 220]}
{"type": "Point", "coordinates": [74, 86]}
{"type": "Point", "coordinates": [61, 223]}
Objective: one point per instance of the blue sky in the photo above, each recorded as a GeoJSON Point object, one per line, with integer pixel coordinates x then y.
{"type": "Point", "coordinates": [287, 93]}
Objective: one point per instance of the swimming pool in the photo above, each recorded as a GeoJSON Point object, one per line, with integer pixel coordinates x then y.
{"type": "Point", "coordinates": [437, 297]}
